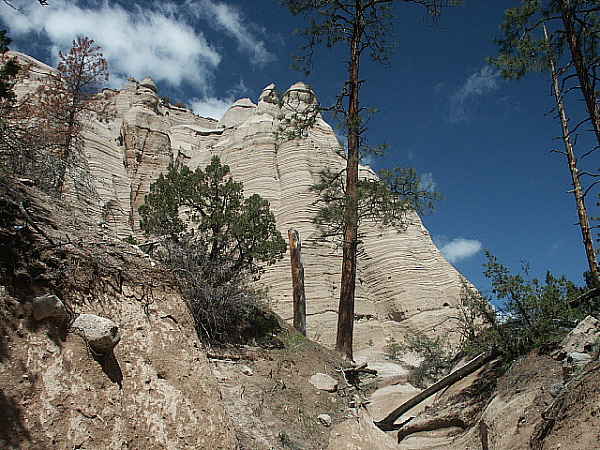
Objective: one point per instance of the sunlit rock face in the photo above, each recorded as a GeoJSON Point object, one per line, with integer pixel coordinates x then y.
{"type": "Point", "coordinates": [403, 282]}
{"type": "Point", "coordinates": [146, 144]}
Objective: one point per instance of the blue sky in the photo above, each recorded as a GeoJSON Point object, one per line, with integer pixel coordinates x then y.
{"type": "Point", "coordinates": [483, 141]}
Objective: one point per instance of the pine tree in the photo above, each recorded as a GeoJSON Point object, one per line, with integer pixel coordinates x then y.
{"type": "Point", "coordinates": [569, 52]}
{"type": "Point", "coordinates": [362, 26]}
{"type": "Point", "coordinates": [207, 207]}
{"type": "Point", "coordinates": [48, 125]}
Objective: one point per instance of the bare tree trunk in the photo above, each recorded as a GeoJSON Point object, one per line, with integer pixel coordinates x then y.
{"type": "Point", "coordinates": [298, 281]}
{"type": "Point", "coordinates": [577, 191]}
{"type": "Point", "coordinates": [586, 87]}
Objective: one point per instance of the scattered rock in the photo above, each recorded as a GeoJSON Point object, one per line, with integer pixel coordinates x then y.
{"type": "Point", "coordinates": [324, 419]}
{"type": "Point", "coordinates": [581, 339]}
{"type": "Point", "coordinates": [48, 306]}
{"type": "Point", "coordinates": [324, 382]}
{"type": "Point", "coordinates": [247, 371]}
{"type": "Point", "coordinates": [578, 358]}
{"type": "Point", "coordinates": [556, 389]}
{"type": "Point", "coordinates": [100, 333]}
{"type": "Point", "coordinates": [360, 433]}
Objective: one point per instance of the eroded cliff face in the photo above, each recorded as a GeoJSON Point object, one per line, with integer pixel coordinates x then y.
{"type": "Point", "coordinates": [155, 390]}
{"type": "Point", "coordinates": [146, 145]}
{"type": "Point", "coordinates": [404, 283]}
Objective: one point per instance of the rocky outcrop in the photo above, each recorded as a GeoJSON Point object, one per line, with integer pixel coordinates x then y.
{"type": "Point", "coordinates": [101, 334]}
{"type": "Point", "coordinates": [404, 283]}
{"type": "Point", "coordinates": [154, 390]}
{"type": "Point", "coordinates": [402, 277]}
{"type": "Point", "coordinates": [146, 145]}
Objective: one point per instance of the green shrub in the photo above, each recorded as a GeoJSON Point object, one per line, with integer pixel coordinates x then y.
{"type": "Point", "coordinates": [530, 313]}
{"type": "Point", "coordinates": [393, 349]}
{"type": "Point", "coordinates": [436, 359]}
{"type": "Point", "coordinates": [226, 312]}
{"type": "Point", "coordinates": [214, 240]}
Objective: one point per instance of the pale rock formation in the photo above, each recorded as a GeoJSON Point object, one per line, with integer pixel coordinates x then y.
{"type": "Point", "coordinates": [238, 113]}
{"type": "Point", "coordinates": [324, 419]}
{"type": "Point", "coordinates": [324, 382]}
{"type": "Point", "coordinates": [583, 338]}
{"type": "Point", "coordinates": [404, 283]}
{"type": "Point", "coordinates": [147, 145]}
{"type": "Point", "coordinates": [402, 276]}
{"type": "Point", "coordinates": [360, 433]}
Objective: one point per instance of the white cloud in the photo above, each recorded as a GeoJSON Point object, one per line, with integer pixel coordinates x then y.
{"type": "Point", "coordinates": [457, 249]}
{"type": "Point", "coordinates": [229, 19]}
{"type": "Point", "coordinates": [211, 106]}
{"type": "Point", "coordinates": [479, 83]}
{"type": "Point", "coordinates": [137, 44]}
{"type": "Point", "coordinates": [214, 107]}
{"type": "Point", "coordinates": [160, 39]}
{"type": "Point", "coordinates": [427, 182]}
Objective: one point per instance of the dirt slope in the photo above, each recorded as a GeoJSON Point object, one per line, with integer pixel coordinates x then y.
{"type": "Point", "coordinates": [161, 387]}
{"type": "Point", "coordinates": [519, 410]}
{"type": "Point", "coordinates": [156, 391]}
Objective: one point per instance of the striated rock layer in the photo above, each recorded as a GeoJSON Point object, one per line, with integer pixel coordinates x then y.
{"type": "Point", "coordinates": [403, 282]}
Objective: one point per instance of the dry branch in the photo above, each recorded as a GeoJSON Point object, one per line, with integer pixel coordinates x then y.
{"type": "Point", "coordinates": [387, 424]}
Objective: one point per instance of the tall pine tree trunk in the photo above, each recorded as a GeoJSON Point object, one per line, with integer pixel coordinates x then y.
{"type": "Point", "coordinates": [577, 191]}
{"type": "Point", "coordinates": [586, 87]}
{"type": "Point", "coordinates": [348, 283]}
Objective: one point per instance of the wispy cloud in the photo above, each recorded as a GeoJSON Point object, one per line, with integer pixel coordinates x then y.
{"type": "Point", "coordinates": [427, 182]}
{"type": "Point", "coordinates": [215, 107]}
{"type": "Point", "coordinates": [211, 106]}
{"type": "Point", "coordinates": [229, 19]}
{"type": "Point", "coordinates": [478, 84]}
{"type": "Point", "coordinates": [458, 249]}
{"type": "Point", "coordinates": [161, 39]}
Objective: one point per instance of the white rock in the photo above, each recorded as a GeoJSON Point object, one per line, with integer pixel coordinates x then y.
{"type": "Point", "coordinates": [247, 371]}
{"type": "Point", "coordinates": [100, 333]}
{"type": "Point", "coordinates": [578, 357]}
{"type": "Point", "coordinates": [556, 389]}
{"type": "Point", "coordinates": [48, 306]}
{"type": "Point", "coordinates": [403, 280]}
{"type": "Point", "coordinates": [581, 339]}
{"type": "Point", "coordinates": [324, 382]}
{"type": "Point", "coordinates": [324, 419]}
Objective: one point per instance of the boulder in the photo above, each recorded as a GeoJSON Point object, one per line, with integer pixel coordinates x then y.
{"type": "Point", "coordinates": [360, 433]}
{"type": "Point", "coordinates": [581, 339]}
{"type": "Point", "coordinates": [324, 382]}
{"type": "Point", "coordinates": [556, 388]}
{"type": "Point", "coordinates": [100, 333]}
{"type": "Point", "coordinates": [324, 419]}
{"type": "Point", "coordinates": [578, 357]}
{"type": "Point", "coordinates": [48, 306]}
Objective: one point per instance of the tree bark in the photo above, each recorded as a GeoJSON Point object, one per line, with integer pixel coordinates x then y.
{"type": "Point", "coordinates": [345, 328]}
{"type": "Point", "coordinates": [577, 191]}
{"type": "Point", "coordinates": [299, 295]}
{"type": "Point", "coordinates": [578, 61]}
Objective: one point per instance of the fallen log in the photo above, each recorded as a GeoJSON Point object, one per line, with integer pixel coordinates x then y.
{"type": "Point", "coordinates": [387, 424]}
